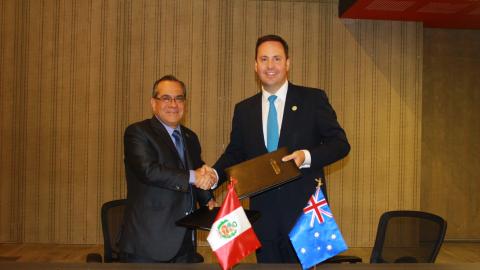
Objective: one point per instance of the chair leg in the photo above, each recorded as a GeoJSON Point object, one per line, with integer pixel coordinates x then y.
{"type": "Point", "coordinates": [94, 258]}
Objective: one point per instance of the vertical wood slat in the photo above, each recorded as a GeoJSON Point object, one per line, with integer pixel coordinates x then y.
{"type": "Point", "coordinates": [19, 116]}
{"type": "Point", "coordinates": [78, 72]}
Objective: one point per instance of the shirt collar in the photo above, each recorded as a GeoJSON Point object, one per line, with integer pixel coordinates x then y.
{"type": "Point", "coordinates": [169, 128]}
{"type": "Point", "coordinates": [281, 92]}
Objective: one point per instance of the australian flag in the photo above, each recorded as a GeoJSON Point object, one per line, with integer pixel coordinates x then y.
{"type": "Point", "coordinates": [316, 237]}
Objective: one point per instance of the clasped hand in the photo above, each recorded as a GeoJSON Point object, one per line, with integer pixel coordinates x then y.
{"type": "Point", "coordinates": [205, 177]}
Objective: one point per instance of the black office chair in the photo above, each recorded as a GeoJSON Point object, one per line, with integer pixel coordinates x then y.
{"type": "Point", "coordinates": [408, 237]}
{"type": "Point", "coordinates": [112, 219]}
{"type": "Point", "coordinates": [404, 237]}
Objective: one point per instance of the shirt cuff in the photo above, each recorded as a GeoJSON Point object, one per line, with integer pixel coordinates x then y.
{"type": "Point", "coordinates": [216, 183]}
{"type": "Point", "coordinates": [191, 178]}
{"type": "Point", "coordinates": [308, 160]}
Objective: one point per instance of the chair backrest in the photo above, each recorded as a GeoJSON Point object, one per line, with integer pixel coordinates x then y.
{"type": "Point", "coordinates": [112, 220]}
{"type": "Point", "coordinates": [408, 237]}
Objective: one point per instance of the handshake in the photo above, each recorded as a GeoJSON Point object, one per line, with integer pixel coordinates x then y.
{"type": "Point", "coordinates": [205, 177]}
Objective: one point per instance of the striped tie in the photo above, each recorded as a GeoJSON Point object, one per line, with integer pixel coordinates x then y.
{"type": "Point", "coordinates": [179, 145]}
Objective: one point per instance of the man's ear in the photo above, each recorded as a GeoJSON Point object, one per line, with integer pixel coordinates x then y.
{"type": "Point", "coordinates": [153, 104]}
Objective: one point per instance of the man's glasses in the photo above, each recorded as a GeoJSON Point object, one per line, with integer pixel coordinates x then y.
{"type": "Point", "coordinates": [169, 99]}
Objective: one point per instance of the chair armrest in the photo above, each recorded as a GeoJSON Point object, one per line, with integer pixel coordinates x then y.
{"type": "Point", "coordinates": [344, 259]}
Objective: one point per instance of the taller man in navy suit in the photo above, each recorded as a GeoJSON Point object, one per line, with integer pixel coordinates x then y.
{"type": "Point", "coordinates": [283, 114]}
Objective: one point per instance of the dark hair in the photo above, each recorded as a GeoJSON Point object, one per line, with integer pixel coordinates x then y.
{"type": "Point", "coordinates": [168, 78]}
{"type": "Point", "coordinates": [276, 38]}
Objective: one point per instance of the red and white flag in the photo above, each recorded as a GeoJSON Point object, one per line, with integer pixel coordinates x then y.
{"type": "Point", "coordinates": [231, 236]}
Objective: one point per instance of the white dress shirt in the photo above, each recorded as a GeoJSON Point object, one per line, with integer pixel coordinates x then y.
{"type": "Point", "coordinates": [280, 106]}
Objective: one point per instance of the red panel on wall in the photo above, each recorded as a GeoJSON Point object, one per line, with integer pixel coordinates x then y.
{"type": "Point", "coordinates": [433, 13]}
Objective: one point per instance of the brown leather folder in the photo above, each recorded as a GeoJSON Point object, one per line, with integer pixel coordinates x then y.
{"type": "Point", "coordinates": [262, 173]}
{"type": "Point", "coordinates": [203, 218]}
{"type": "Point", "coordinates": [253, 176]}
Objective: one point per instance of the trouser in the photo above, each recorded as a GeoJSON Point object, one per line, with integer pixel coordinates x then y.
{"type": "Point", "coordinates": [186, 253]}
{"type": "Point", "coordinates": [277, 251]}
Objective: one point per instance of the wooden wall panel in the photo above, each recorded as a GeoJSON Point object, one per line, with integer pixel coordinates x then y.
{"type": "Point", "coordinates": [75, 73]}
{"type": "Point", "coordinates": [379, 113]}
{"type": "Point", "coordinates": [451, 145]}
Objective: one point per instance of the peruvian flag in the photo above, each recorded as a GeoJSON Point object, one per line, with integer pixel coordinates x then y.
{"type": "Point", "coordinates": [231, 236]}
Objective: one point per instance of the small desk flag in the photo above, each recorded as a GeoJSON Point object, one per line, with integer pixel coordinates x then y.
{"type": "Point", "coordinates": [231, 236]}
{"type": "Point", "coordinates": [316, 237]}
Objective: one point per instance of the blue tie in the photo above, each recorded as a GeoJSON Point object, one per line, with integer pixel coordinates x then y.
{"type": "Point", "coordinates": [179, 145]}
{"type": "Point", "coordinates": [272, 125]}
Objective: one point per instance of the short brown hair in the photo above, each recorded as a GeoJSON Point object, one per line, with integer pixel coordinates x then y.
{"type": "Point", "coordinates": [276, 38]}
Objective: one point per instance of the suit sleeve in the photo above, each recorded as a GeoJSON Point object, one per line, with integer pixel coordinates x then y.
{"type": "Point", "coordinates": [195, 150]}
{"type": "Point", "coordinates": [203, 196]}
{"type": "Point", "coordinates": [144, 157]}
{"type": "Point", "coordinates": [333, 144]}
{"type": "Point", "coordinates": [234, 152]}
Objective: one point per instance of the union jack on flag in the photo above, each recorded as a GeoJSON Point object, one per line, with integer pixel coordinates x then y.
{"type": "Point", "coordinates": [314, 241]}
{"type": "Point", "coordinates": [315, 206]}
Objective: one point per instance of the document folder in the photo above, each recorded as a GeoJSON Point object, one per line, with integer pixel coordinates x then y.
{"type": "Point", "coordinates": [262, 173]}
{"type": "Point", "coordinates": [203, 218]}
{"type": "Point", "coordinates": [253, 176]}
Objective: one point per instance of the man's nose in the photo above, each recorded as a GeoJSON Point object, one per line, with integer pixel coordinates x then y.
{"type": "Point", "coordinates": [173, 103]}
{"type": "Point", "coordinates": [269, 63]}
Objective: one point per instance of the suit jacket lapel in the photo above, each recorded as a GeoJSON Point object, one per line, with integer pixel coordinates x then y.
{"type": "Point", "coordinates": [165, 137]}
{"type": "Point", "coordinates": [186, 143]}
{"type": "Point", "coordinates": [290, 116]}
{"type": "Point", "coordinates": [257, 125]}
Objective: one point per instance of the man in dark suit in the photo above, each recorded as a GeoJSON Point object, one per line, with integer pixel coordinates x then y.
{"type": "Point", "coordinates": [165, 178]}
{"type": "Point", "coordinates": [283, 114]}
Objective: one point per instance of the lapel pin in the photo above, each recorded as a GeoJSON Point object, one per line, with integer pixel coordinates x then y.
{"type": "Point", "coordinates": [294, 108]}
